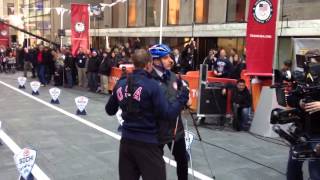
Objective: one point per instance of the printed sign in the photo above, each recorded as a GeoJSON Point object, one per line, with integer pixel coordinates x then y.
{"type": "Point", "coordinates": [22, 81]}
{"type": "Point", "coordinates": [189, 137]}
{"type": "Point", "coordinates": [81, 103]}
{"type": "Point", "coordinates": [261, 36]}
{"type": "Point", "coordinates": [35, 85]}
{"type": "Point", "coordinates": [55, 93]}
{"type": "Point", "coordinates": [25, 160]}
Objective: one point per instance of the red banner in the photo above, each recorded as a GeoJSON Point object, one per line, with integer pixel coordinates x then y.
{"type": "Point", "coordinates": [4, 35]}
{"type": "Point", "coordinates": [261, 36]}
{"type": "Point", "coordinates": [79, 27]}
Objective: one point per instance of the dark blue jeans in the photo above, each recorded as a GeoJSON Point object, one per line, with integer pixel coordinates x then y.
{"type": "Point", "coordinates": [241, 117]}
{"type": "Point", "coordinates": [42, 74]}
{"type": "Point", "coordinates": [69, 78]}
{"type": "Point", "coordinates": [92, 81]}
{"type": "Point", "coordinates": [294, 168]}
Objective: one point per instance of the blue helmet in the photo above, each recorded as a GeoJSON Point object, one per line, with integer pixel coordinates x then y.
{"type": "Point", "coordinates": [159, 50]}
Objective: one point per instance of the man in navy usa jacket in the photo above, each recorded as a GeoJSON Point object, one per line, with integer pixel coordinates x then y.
{"type": "Point", "coordinates": [142, 102]}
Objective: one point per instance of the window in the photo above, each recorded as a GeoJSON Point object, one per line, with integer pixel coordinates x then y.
{"type": "Point", "coordinates": [173, 12]}
{"type": "Point", "coordinates": [201, 11]}
{"type": "Point", "coordinates": [153, 12]}
{"type": "Point", "coordinates": [236, 10]}
{"type": "Point", "coordinates": [132, 13]}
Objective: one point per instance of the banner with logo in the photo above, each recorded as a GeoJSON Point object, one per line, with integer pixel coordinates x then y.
{"type": "Point", "coordinates": [35, 85]}
{"type": "Point", "coordinates": [81, 103]}
{"type": "Point", "coordinates": [261, 36]}
{"type": "Point", "coordinates": [4, 35]}
{"type": "Point", "coordinates": [55, 93]}
{"type": "Point", "coordinates": [22, 82]}
{"type": "Point", "coordinates": [25, 160]}
{"type": "Point", "coordinates": [79, 27]}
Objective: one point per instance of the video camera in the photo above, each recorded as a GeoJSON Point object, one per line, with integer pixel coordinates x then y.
{"type": "Point", "coordinates": [294, 90]}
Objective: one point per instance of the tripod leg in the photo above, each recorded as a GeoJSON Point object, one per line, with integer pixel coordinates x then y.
{"type": "Point", "coordinates": [189, 151]}
{"type": "Point", "coordinates": [200, 139]}
{"type": "Point", "coordinates": [174, 137]}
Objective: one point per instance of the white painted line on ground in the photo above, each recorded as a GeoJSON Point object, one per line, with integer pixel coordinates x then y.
{"type": "Point", "coordinates": [36, 171]}
{"type": "Point", "coordinates": [98, 128]}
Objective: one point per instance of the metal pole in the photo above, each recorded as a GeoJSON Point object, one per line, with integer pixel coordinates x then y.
{"type": "Point", "coordinates": [28, 28]}
{"type": "Point", "coordinates": [94, 40]}
{"type": "Point", "coordinates": [276, 47]}
{"type": "Point", "coordinates": [61, 24]}
{"type": "Point", "coordinates": [161, 22]}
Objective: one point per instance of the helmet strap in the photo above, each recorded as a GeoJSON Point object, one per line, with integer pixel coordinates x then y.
{"type": "Point", "coordinates": [160, 67]}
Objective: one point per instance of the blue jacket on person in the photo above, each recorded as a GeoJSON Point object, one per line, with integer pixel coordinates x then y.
{"type": "Point", "coordinates": [150, 104]}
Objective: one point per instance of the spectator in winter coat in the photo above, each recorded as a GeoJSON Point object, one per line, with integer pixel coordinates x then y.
{"type": "Point", "coordinates": [58, 58]}
{"type": "Point", "coordinates": [27, 66]}
{"type": "Point", "coordinates": [93, 69]}
{"type": "Point", "coordinates": [238, 66]}
{"type": "Point", "coordinates": [69, 69]}
{"type": "Point", "coordinates": [222, 66]}
{"type": "Point", "coordinates": [81, 64]}
{"type": "Point", "coordinates": [210, 59]}
{"type": "Point", "coordinates": [186, 60]}
{"type": "Point", "coordinates": [41, 66]}
{"type": "Point", "coordinates": [104, 72]}
{"type": "Point", "coordinates": [241, 103]}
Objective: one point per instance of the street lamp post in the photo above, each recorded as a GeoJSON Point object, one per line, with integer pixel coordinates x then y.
{"type": "Point", "coordinates": [61, 12]}
{"type": "Point", "coordinates": [161, 22]}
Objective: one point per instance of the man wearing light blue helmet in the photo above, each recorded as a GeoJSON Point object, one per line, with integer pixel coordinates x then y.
{"type": "Point", "coordinates": [170, 132]}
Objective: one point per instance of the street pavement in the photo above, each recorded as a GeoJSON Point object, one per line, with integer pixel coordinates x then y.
{"type": "Point", "coordinates": [68, 149]}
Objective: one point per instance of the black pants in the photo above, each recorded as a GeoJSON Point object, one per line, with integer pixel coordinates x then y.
{"type": "Point", "coordinates": [141, 159]}
{"type": "Point", "coordinates": [180, 155]}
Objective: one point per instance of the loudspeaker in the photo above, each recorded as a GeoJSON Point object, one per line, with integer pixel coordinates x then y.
{"type": "Point", "coordinates": [211, 101]}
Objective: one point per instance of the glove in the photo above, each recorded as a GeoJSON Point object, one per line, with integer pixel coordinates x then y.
{"type": "Point", "coordinates": [183, 95]}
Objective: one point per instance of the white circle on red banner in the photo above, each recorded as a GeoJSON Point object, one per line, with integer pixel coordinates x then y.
{"type": "Point", "coordinates": [4, 33]}
{"type": "Point", "coordinates": [262, 11]}
{"type": "Point", "coordinates": [79, 27]}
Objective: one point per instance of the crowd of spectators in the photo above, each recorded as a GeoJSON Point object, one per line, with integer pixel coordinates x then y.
{"type": "Point", "coordinates": [90, 69]}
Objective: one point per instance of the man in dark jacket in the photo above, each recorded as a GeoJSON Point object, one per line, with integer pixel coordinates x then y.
{"type": "Point", "coordinates": [81, 64]}
{"type": "Point", "coordinates": [27, 65]}
{"type": "Point", "coordinates": [69, 68]}
{"type": "Point", "coordinates": [104, 72]}
{"type": "Point", "coordinates": [93, 69]}
{"type": "Point", "coordinates": [49, 64]}
{"type": "Point", "coordinates": [241, 103]}
{"type": "Point", "coordinates": [168, 81]}
{"type": "Point", "coordinates": [142, 102]}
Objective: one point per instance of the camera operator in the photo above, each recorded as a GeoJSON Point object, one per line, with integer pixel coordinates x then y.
{"type": "Point", "coordinates": [294, 167]}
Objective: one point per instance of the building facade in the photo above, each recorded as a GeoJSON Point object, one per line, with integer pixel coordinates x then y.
{"type": "Point", "coordinates": [213, 23]}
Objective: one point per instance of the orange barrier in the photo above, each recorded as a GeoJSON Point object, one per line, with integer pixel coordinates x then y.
{"type": "Point", "coordinates": [197, 73]}
{"type": "Point", "coordinates": [256, 87]}
{"type": "Point", "coordinates": [193, 86]}
{"type": "Point", "coordinates": [115, 76]}
{"type": "Point", "coordinates": [246, 77]}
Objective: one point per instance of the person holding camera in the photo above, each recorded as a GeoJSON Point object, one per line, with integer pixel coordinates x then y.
{"type": "Point", "coordinates": [312, 128]}
{"type": "Point", "coordinates": [142, 103]}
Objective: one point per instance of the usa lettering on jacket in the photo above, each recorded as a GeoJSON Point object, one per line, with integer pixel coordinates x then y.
{"type": "Point", "coordinates": [136, 94]}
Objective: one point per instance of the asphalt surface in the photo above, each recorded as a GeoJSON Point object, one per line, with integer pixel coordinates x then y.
{"type": "Point", "coordinates": [68, 149]}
